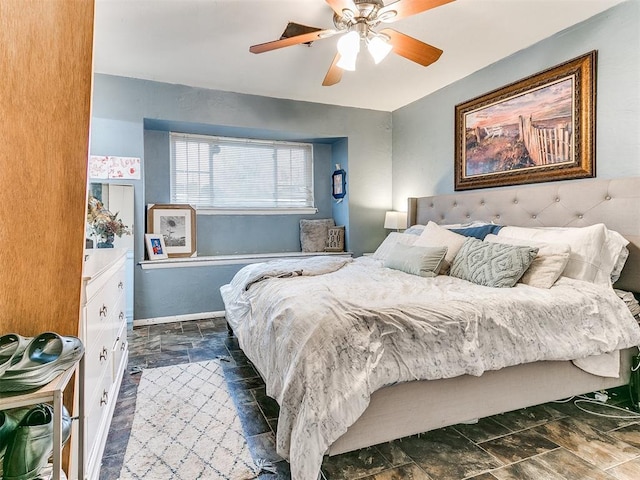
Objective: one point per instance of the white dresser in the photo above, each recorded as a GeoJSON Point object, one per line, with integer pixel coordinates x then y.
{"type": "Point", "coordinates": [103, 329]}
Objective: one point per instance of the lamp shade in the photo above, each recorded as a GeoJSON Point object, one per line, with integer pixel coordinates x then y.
{"type": "Point", "coordinates": [395, 220]}
{"type": "Point", "coordinates": [349, 44]}
{"type": "Point", "coordinates": [348, 47]}
{"type": "Point", "coordinates": [378, 48]}
{"type": "Point", "coordinates": [347, 62]}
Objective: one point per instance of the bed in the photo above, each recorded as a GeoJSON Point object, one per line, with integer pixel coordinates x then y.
{"type": "Point", "coordinates": [279, 338]}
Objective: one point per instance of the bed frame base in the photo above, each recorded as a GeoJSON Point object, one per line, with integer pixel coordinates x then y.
{"type": "Point", "coordinates": [415, 407]}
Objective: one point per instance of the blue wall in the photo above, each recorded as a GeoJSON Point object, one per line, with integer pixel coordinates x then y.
{"type": "Point", "coordinates": [423, 132]}
{"type": "Point", "coordinates": [132, 117]}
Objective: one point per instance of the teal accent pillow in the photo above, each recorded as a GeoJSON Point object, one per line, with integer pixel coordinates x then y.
{"type": "Point", "coordinates": [491, 264]}
{"type": "Point", "coordinates": [422, 261]}
{"type": "Point", "coordinates": [479, 231]}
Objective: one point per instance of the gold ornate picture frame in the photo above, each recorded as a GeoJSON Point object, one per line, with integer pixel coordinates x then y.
{"type": "Point", "coordinates": [538, 129]}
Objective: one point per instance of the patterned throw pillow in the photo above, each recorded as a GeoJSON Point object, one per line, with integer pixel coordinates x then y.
{"type": "Point", "coordinates": [548, 265]}
{"type": "Point", "coordinates": [491, 264]}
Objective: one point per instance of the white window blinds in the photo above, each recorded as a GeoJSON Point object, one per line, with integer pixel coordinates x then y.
{"type": "Point", "coordinates": [238, 173]}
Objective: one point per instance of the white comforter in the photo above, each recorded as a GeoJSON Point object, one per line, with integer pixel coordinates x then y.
{"type": "Point", "coordinates": [324, 342]}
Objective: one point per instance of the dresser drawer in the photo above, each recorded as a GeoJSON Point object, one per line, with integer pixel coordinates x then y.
{"type": "Point", "coordinates": [105, 310]}
{"type": "Point", "coordinates": [120, 350]}
{"type": "Point", "coordinates": [97, 409]}
{"type": "Point", "coordinates": [99, 306]}
{"type": "Point", "coordinates": [111, 289]}
{"type": "Point", "coordinates": [117, 319]}
{"type": "Point", "coordinates": [98, 360]}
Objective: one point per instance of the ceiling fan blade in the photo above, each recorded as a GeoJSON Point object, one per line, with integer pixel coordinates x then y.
{"type": "Point", "coordinates": [294, 29]}
{"type": "Point", "coordinates": [406, 8]}
{"type": "Point", "coordinates": [311, 36]}
{"type": "Point", "coordinates": [412, 48]}
{"type": "Point", "coordinates": [334, 75]}
{"type": "Point", "coordinates": [339, 5]}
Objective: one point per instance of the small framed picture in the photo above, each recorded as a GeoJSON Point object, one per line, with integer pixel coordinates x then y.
{"type": "Point", "coordinates": [156, 249]}
{"type": "Point", "coordinates": [338, 183]}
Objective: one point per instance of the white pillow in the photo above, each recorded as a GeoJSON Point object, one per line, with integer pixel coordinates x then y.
{"type": "Point", "coordinates": [434, 235]}
{"type": "Point", "coordinates": [422, 261]}
{"type": "Point", "coordinates": [618, 246]}
{"type": "Point", "coordinates": [622, 259]}
{"type": "Point", "coordinates": [382, 252]}
{"type": "Point", "coordinates": [548, 265]}
{"type": "Point", "coordinates": [594, 249]}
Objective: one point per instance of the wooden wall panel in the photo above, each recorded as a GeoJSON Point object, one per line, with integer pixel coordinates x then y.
{"type": "Point", "coordinates": [45, 96]}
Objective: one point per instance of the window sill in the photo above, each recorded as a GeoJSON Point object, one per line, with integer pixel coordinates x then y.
{"type": "Point", "coordinates": [255, 211]}
{"type": "Point", "coordinates": [222, 260]}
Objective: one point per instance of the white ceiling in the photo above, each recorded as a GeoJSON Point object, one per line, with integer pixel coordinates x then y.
{"type": "Point", "coordinates": [205, 43]}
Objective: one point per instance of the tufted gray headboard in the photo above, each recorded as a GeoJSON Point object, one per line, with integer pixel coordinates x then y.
{"type": "Point", "coordinates": [579, 203]}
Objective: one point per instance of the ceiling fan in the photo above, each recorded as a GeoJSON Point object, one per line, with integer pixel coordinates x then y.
{"type": "Point", "coordinates": [356, 21]}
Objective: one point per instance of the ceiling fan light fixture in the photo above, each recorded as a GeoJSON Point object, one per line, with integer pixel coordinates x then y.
{"type": "Point", "coordinates": [379, 48]}
{"type": "Point", "coordinates": [347, 62]}
{"type": "Point", "coordinates": [349, 44]}
{"type": "Point", "coordinates": [355, 21]}
{"type": "Point", "coordinates": [348, 48]}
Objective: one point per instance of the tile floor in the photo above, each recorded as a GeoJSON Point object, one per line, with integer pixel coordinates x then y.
{"type": "Point", "coordinates": [555, 441]}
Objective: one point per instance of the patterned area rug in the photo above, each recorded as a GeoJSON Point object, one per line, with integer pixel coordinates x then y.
{"type": "Point", "coordinates": [186, 427]}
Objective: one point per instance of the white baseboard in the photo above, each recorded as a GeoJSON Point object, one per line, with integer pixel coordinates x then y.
{"type": "Point", "coordinates": [142, 322]}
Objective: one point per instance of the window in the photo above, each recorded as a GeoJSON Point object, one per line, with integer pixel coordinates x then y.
{"type": "Point", "coordinates": [238, 173]}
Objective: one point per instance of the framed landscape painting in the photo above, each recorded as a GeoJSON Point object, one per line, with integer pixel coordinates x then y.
{"type": "Point", "coordinates": [539, 129]}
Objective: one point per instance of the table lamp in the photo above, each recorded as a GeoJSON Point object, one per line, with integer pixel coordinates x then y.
{"type": "Point", "coordinates": [395, 220]}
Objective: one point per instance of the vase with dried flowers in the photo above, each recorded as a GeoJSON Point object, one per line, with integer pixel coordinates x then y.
{"type": "Point", "coordinates": [104, 225]}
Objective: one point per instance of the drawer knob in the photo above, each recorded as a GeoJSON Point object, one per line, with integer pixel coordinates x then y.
{"type": "Point", "coordinates": [123, 346]}
{"type": "Point", "coordinates": [105, 398]}
{"type": "Point", "coordinates": [103, 354]}
{"type": "Point", "coordinates": [121, 285]}
{"type": "Point", "coordinates": [104, 310]}
{"type": "Point", "coordinates": [121, 316]}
